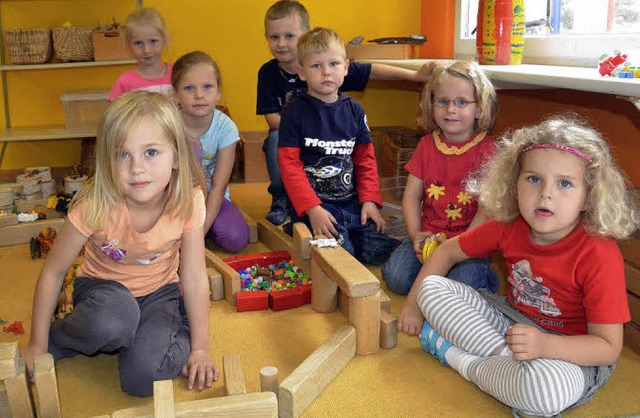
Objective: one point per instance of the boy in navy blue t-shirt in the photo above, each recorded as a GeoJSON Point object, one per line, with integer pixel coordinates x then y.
{"type": "Point", "coordinates": [326, 156]}
{"type": "Point", "coordinates": [278, 81]}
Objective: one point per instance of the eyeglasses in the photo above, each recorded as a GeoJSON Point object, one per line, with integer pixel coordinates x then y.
{"type": "Point", "coordinates": [459, 103]}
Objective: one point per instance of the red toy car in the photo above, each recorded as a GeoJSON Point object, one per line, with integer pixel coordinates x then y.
{"type": "Point", "coordinates": [611, 64]}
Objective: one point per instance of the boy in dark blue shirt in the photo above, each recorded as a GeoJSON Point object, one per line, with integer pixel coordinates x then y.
{"type": "Point", "coordinates": [326, 156]}
{"type": "Point", "coordinates": [284, 23]}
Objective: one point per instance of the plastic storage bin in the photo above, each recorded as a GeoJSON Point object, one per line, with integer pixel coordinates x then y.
{"type": "Point", "coordinates": [83, 110]}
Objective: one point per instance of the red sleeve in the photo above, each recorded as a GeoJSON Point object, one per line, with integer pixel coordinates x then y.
{"type": "Point", "coordinates": [481, 241]}
{"type": "Point", "coordinates": [365, 170]}
{"type": "Point", "coordinates": [295, 180]}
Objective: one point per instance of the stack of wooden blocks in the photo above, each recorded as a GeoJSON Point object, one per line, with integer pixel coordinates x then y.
{"type": "Point", "coordinates": [631, 251]}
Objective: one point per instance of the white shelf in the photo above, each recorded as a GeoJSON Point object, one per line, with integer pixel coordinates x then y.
{"type": "Point", "coordinates": [546, 76]}
{"type": "Point", "coordinates": [62, 65]}
{"type": "Point", "coordinates": [42, 133]}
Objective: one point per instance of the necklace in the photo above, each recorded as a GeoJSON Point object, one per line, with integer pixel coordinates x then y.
{"type": "Point", "coordinates": [454, 150]}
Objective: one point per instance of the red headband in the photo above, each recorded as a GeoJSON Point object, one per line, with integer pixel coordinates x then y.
{"type": "Point", "coordinates": [573, 151]}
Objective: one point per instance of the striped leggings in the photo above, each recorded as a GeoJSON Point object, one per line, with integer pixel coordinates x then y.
{"type": "Point", "coordinates": [477, 330]}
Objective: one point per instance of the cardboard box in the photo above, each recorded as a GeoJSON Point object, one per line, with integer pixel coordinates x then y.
{"type": "Point", "coordinates": [83, 110]}
{"type": "Point", "coordinates": [255, 163]}
{"type": "Point", "coordinates": [110, 46]}
{"type": "Point", "coordinates": [378, 51]}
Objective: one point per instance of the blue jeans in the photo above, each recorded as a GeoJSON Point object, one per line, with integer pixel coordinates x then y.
{"type": "Point", "coordinates": [361, 241]}
{"type": "Point", "coordinates": [149, 333]}
{"type": "Point", "coordinates": [276, 187]}
{"type": "Point", "coordinates": [402, 268]}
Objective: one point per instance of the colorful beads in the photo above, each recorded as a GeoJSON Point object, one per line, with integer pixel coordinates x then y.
{"type": "Point", "coordinates": [284, 275]}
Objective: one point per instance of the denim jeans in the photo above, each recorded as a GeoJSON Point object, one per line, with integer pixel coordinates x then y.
{"type": "Point", "coordinates": [276, 187]}
{"type": "Point", "coordinates": [402, 268]}
{"type": "Point", "coordinates": [362, 241]}
{"type": "Point", "coordinates": [149, 333]}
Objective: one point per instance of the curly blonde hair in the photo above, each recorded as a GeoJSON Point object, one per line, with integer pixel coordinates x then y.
{"type": "Point", "coordinates": [104, 190]}
{"type": "Point", "coordinates": [485, 94]}
{"type": "Point", "coordinates": [611, 204]}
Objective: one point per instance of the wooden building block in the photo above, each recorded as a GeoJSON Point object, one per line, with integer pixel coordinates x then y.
{"type": "Point", "coordinates": [23, 232]}
{"type": "Point", "coordinates": [253, 226]}
{"type": "Point", "coordinates": [252, 301]}
{"type": "Point", "coordinates": [269, 379]}
{"type": "Point", "coordinates": [315, 373]}
{"type": "Point", "coordinates": [273, 237]}
{"type": "Point", "coordinates": [163, 403]}
{"type": "Point", "coordinates": [8, 219]}
{"type": "Point", "coordinates": [216, 284]}
{"type": "Point", "coordinates": [324, 292]}
{"type": "Point", "coordinates": [343, 303]}
{"type": "Point", "coordinates": [380, 51]}
{"type": "Point", "coordinates": [260, 404]}
{"type": "Point", "coordinates": [18, 393]}
{"type": "Point", "coordinates": [255, 164]}
{"type": "Point", "coordinates": [301, 238]}
{"type": "Point", "coordinates": [634, 307]}
{"type": "Point", "coordinates": [230, 277]}
{"type": "Point", "coordinates": [385, 302]}
{"type": "Point", "coordinates": [388, 330]}
{"type": "Point", "coordinates": [44, 375]}
{"type": "Point", "coordinates": [632, 336]}
{"type": "Point", "coordinates": [349, 274]}
{"type": "Point", "coordinates": [364, 315]}
{"type": "Point", "coordinates": [632, 275]}
{"type": "Point", "coordinates": [9, 359]}
{"type": "Point", "coordinates": [286, 299]}
{"type": "Point", "coordinates": [233, 376]}
{"type": "Point", "coordinates": [5, 412]}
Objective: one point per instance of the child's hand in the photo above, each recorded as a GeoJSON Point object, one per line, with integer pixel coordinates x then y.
{"type": "Point", "coordinates": [418, 241]}
{"type": "Point", "coordinates": [29, 353]}
{"type": "Point", "coordinates": [425, 72]}
{"type": "Point", "coordinates": [410, 319]}
{"type": "Point", "coordinates": [322, 222]}
{"type": "Point", "coordinates": [201, 369]}
{"type": "Point", "coordinates": [526, 342]}
{"type": "Point", "coordinates": [370, 210]}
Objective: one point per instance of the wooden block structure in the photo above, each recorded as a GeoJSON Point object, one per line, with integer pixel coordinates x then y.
{"type": "Point", "coordinates": [315, 373]}
{"type": "Point", "coordinates": [253, 227]}
{"type": "Point", "coordinates": [230, 277]}
{"type": "Point", "coordinates": [9, 359]}
{"type": "Point", "coordinates": [388, 330]}
{"type": "Point", "coordinates": [274, 238]}
{"type": "Point", "coordinates": [333, 268]}
{"type": "Point", "coordinates": [301, 249]}
{"type": "Point", "coordinates": [163, 403]}
{"type": "Point", "coordinates": [233, 376]}
{"type": "Point", "coordinates": [631, 252]}
{"type": "Point", "coordinates": [18, 394]}
{"type": "Point", "coordinates": [4, 402]}
{"type": "Point", "coordinates": [44, 374]}
{"type": "Point", "coordinates": [269, 379]}
{"type": "Point", "coordinates": [216, 284]}
{"type": "Point", "coordinates": [21, 233]}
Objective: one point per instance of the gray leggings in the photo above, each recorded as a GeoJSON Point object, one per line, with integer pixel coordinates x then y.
{"type": "Point", "coordinates": [478, 324]}
{"type": "Point", "coordinates": [149, 333]}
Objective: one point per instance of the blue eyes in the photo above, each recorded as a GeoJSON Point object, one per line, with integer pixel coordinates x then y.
{"type": "Point", "coordinates": [562, 184]}
{"type": "Point", "coordinates": [459, 103]}
{"type": "Point", "coordinates": [191, 89]}
{"type": "Point", "coordinates": [148, 153]}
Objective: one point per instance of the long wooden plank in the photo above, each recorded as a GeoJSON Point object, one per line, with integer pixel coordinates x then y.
{"type": "Point", "coordinates": [230, 276]}
{"type": "Point", "coordinates": [253, 226]}
{"type": "Point", "coordinates": [23, 232]}
{"type": "Point", "coordinates": [163, 403]}
{"type": "Point", "coordinates": [5, 412]}
{"type": "Point", "coordinates": [301, 238]}
{"type": "Point", "coordinates": [351, 276]}
{"type": "Point", "coordinates": [18, 393]}
{"type": "Point", "coordinates": [233, 376]}
{"type": "Point", "coordinates": [255, 405]}
{"type": "Point", "coordinates": [48, 400]}
{"type": "Point", "coordinates": [315, 373]}
{"type": "Point", "coordinates": [273, 237]}
{"type": "Point", "coordinates": [8, 359]}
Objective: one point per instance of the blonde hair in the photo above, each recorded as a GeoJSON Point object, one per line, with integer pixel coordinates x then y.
{"type": "Point", "coordinates": [104, 190]}
{"type": "Point", "coordinates": [611, 206]}
{"type": "Point", "coordinates": [288, 8]}
{"type": "Point", "coordinates": [187, 62]}
{"type": "Point", "coordinates": [484, 92]}
{"type": "Point", "coordinates": [319, 40]}
{"type": "Point", "coordinates": [146, 16]}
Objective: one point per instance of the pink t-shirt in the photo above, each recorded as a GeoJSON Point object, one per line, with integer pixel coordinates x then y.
{"type": "Point", "coordinates": [131, 80]}
{"type": "Point", "coordinates": [142, 262]}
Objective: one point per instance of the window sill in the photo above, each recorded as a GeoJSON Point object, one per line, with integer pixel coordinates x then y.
{"type": "Point", "coordinates": [527, 76]}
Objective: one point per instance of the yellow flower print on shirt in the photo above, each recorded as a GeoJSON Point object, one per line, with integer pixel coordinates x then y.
{"type": "Point", "coordinates": [453, 212]}
{"type": "Point", "coordinates": [435, 191]}
{"type": "Point", "coordinates": [464, 198]}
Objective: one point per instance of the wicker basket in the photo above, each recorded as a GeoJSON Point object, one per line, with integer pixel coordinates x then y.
{"type": "Point", "coordinates": [73, 43]}
{"type": "Point", "coordinates": [28, 46]}
{"type": "Point", "coordinates": [398, 149]}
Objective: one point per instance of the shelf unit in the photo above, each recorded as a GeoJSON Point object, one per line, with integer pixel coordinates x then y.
{"type": "Point", "coordinates": [39, 133]}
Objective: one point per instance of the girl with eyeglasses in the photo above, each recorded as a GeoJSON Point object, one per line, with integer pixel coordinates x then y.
{"type": "Point", "coordinates": [458, 107]}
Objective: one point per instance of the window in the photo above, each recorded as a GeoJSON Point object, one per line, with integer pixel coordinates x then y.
{"type": "Point", "coordinates": [564, 32]}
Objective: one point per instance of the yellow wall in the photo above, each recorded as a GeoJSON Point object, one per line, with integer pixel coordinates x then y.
{"type": "Point", "coordinates": [231, 31]}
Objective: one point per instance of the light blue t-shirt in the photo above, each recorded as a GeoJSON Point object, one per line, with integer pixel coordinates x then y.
{"type": "Point", "coordinates": [222, 133]}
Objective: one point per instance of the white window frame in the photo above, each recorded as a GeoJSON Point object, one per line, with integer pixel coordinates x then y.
{"type": "Point", "coordinates": [574, 50]}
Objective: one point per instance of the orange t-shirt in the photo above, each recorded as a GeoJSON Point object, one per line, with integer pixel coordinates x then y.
{"type": "Point", "coordinates": [143, 262]}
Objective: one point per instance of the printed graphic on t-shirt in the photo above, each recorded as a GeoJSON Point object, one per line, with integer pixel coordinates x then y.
{"type": "Point", "coordinates": [530, 291]}
{"type": "Point", "coordinates": [331, 177]}
{"type": "Point", "coordinates": [290, 95]}
{"type": "Point", "coordinates": [452, 205]}
{"type": "Point", "coordinates": [111, 250]}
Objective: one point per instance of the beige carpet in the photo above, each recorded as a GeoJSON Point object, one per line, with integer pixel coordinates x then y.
{"type": "Point", "coordinates": [404, 381]}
